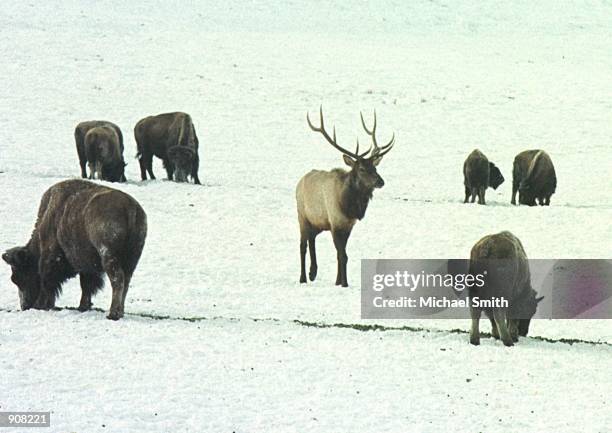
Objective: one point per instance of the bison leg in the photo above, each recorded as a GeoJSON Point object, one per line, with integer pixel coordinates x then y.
{"type": "Point", "coordinates": [515, 187]}
{"type": "Point", "coordinates": [92, 170]}
{"type": "Point", "coordinates": [475, 329]}
{"type": "Point", "coordinates": [90, 284]}
{"type": "Point", "coordinates": [117, 277]}
{"type": "Point", "coordinates": [169, 168]}
{"type": "Point", "coordinates": [500, 316]}
{"type": "Point", "coordinates": [494, 330]}
{"type": "Point", "coordinates": [481, 195]}
{"type": "Point", "coordinates": [474, 193]}
{"type": "Point", "coordinates": [340, 239]}
{"type": "Point", "coordinates": [146, 165]}
{"type": "Point", "coordinates": [83, 164]}
{"type": "Point", "coordinates": [467, 194]}
{"type": "Point", "coordinates": [547, 201]}
{"type": "Point", "coordinates": [513, 329]}
{"type": "Point", "coordinates": [194, 171]}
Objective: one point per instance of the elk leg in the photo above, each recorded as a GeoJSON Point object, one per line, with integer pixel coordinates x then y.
{"type": "Point", "coordinates": [481, 195]}
{"type": "Point", "coordinates": [313, 256]}
{"type": "Point", "coordinates": [475, 329]}
{"type": "Point", "coordinates": [499, 314]}
{"type": "Point", "coordinates": [340, 240]}
{"type": "Point", "coordinates": [90, 284]}
{"type": "Point", "coordinates": [117, 278]}
{"type": "Point", "coordinates": [303, 245]}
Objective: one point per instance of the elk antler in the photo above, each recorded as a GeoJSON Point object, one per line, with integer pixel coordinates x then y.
{"type": "Point", "coordinates": [378, 151]}
{"type": "Point", "coordinates": [332, 141]}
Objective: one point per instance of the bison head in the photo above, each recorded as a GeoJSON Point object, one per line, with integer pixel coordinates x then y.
{"type": "Point", "coordinates": [525, 308]}
{"type": "Point", "coordinates": [114, 172]}
{"type": "Point", "coordinates": [25, 274]}
{"type": "Point", "coordinates": [182, 159]}
{"type": "Point", "coordinates": [495, 176]}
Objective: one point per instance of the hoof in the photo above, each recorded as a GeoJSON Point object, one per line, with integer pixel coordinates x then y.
{"type": "Point", "coordinates": [113, 315]}
{"type": "Point", "coordinates": [475, 341]}
{"type": "Point", "coordinates": [508, 343]}
{"type": "Point", "coordinates": [303, 279]}
{"type": "Point", "coordinates": [312, 275]}
{"type": "Point", "coordinates": [84, 307]}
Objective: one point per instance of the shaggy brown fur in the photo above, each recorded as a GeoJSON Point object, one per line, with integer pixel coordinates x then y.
{"type": "Point", "coordinates": [534, 177]}
{"type": "Point", "coordinates": [79, 137]}
{"type": "Point", "coordinates": [82, 228]}
{"type": "Point", "coordinates": [171, 137]}
{"type": "Point", "coordinates": [478, 175]}
{"type": "Point", "coordinates": [104, 155]}
{"type": "Point", "coordinates": [502, 260]}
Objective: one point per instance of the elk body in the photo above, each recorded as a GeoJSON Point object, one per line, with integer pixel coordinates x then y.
{"type": "Point", "coordinates": [334, 200]}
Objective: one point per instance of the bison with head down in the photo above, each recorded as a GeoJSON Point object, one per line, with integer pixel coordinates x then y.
{"type": "Point", "coordinates": [82, 228]}
{"type": "Point", "coordinates": [479, 174]}
{"type": "Point", "coordinates": [503, 262]}
{"type": "Point", "coordinates": [99, 144]}
{"type": "Point", "coordinates": [534, 177]}
{"type": "Point", "coordinates": [171, 137]}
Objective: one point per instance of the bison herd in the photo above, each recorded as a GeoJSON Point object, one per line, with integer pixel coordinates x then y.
{"type": "Point", "coordinates": [169, 136]}
{"type": "Point", "coordinates": [89, 230]}
{"type": "Point", "coordinates": [533, 177]}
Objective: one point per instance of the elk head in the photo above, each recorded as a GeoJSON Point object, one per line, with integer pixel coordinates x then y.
{"type": "Point", "coordinates": [363, 165]}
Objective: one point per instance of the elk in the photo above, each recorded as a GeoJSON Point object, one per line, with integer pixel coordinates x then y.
{"type": "Point", "coordinates": [334, 200]}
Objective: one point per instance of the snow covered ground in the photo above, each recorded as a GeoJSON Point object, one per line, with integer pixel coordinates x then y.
{"type": "Point", "coordinates": [446, 78]}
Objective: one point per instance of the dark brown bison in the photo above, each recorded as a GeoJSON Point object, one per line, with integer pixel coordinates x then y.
{"type": "Point", "coordinates": [82, 228]}
{"type": "Point", "coordinates": [81, 131]}
{"type": "Point", "coordinates": [104, 155]}
{"type": "Point", "coordinates": [478, 175]}
{"type": "Point", "coordinates": [171, 137]}
{"type": "Point", "coordinates": [503, 262]}
{"type": "Point", "coordinates": [533, 176]}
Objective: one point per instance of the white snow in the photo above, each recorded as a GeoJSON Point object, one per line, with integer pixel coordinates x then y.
{"type": "Point", "coordinates": [445, 77]}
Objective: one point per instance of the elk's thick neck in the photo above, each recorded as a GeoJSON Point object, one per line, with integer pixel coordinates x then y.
{"type": "Point", "coordinates": [355, 197]}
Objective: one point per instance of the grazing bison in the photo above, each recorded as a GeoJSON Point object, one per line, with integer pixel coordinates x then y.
{"type": "Point", "coordinates": [82, 228]}
{"type": "Point", "coordinates": [81, 131]}
{"type": "Point", "coordinates": [478, 175]}
{"type": "Point", "coordinates": [104, 154]}
{"type": "Point", "coordinates": [171, 137]}
{"type": "Point", "coordinates": [533, 176]}
{"type": "Point", "coordinates": [502, 260]}
{"type": "Point", "coordinates": [335, 200]}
